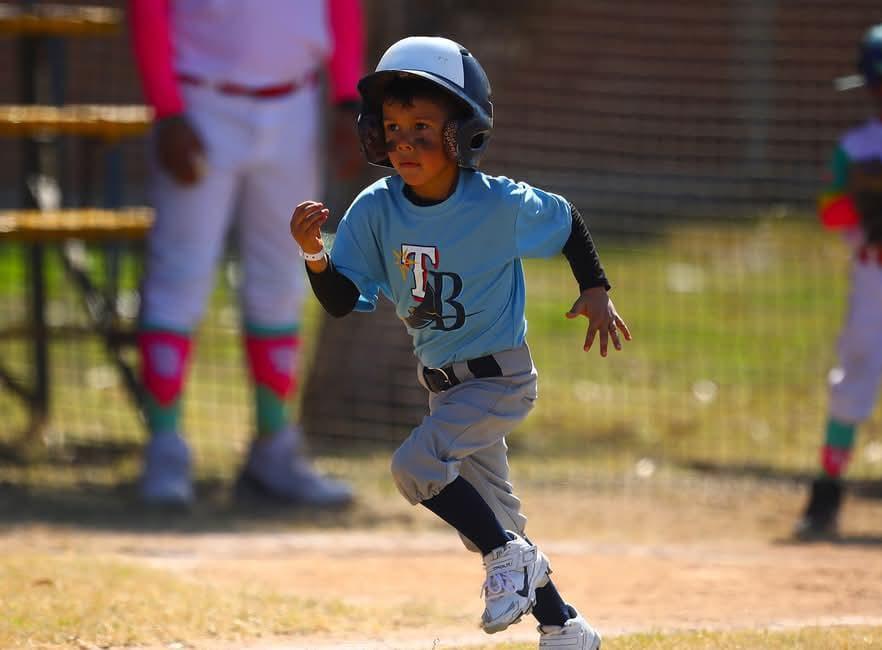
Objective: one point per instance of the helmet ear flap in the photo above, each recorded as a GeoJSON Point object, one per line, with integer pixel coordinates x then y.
{"type": "Point", "coordinates": [472, 137]}
{"type": "Point", "coordinates": [373, 142]}
{"type": "Point", "coordinates": [466, 140]}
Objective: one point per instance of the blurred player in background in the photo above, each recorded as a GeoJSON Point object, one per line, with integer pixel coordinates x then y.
{"type": "Point", "coordinates": [852, 204]}
{"type": "Point", "coordinates": [444, 243]}
{"type": "Point", "coordinates": [237, 141]}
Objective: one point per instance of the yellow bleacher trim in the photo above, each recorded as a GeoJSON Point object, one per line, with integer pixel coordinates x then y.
{"type": "Point", "coordinates": [59, 20]}
{"type": "Point", "coordinates": [89, 224]}
{"type": "Point", "coordinates": [104, 121]}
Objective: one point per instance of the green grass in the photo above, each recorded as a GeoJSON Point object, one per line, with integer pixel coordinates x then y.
{"type": "Point", "coordinates": [734, 331]}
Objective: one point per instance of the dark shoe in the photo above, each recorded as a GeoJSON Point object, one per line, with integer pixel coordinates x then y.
{"type": "Point", "coordinates": [819, 519]}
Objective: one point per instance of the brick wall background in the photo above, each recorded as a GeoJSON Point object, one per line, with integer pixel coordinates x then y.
{"type": "Point", "coordinates": [633, 109]}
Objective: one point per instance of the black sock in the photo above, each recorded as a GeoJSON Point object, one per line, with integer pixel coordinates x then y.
{"type": "Point", "coordinates": [550, 609]}
{"type": "Point", "coordinates": [460, 505]}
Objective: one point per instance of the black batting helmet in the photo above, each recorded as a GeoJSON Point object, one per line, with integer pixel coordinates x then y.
{"type": "Point", "coordinates": [870, 56]}
{"type": "Point", "coordinates": [448, 65]}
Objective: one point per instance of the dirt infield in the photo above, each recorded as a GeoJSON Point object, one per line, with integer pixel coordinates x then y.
{"type": "Point", "coordinates": [622, 587]}
{"type": "Point", "coordinates": [631, 563]}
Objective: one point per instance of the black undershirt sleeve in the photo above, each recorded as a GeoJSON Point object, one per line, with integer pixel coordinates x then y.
{"type": "Point", "coordinates": [337, 293]}
{"type": "Point", "coordinates": [582, 255]}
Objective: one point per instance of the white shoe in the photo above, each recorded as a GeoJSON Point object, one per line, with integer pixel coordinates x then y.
{"type": "Point", "coordinates": [514, 571]}
{"type": "Point", "coordinates": [575, 634]}
{"type": "Point", "coordinates": [278, 471]}
{"type": "Point", "coordinates": [165, 480]}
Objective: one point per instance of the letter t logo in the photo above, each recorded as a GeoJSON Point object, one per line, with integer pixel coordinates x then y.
{"type": "Point", "coordinates": [416, 256]}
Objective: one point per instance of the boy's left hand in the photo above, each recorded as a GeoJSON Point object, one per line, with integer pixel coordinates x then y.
{"type": "Point", "coordinates": [602, 317]}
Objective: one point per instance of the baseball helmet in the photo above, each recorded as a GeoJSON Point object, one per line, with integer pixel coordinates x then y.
{"type": "Point", "coordinates": [870, 56]}
{"type": "Point", "coordinates": [451, 67]}
{"type": "Point", "coordinates": [869, 62]}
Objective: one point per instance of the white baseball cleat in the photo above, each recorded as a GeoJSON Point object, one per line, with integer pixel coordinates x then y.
{"type": "Point", "coordinates": [165, 480]}
{"type": "Point", "coordinates": [575, 634]}
{"type": "Point", "coordinates": [276, 470]}
{"type": "Point", "coordinates": [514, 571]}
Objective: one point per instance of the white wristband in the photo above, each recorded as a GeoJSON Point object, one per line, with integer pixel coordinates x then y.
{"type": "Point", "coordinates": [313, 257]}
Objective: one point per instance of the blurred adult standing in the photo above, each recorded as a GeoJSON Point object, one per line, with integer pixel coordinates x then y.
{"type": "Point", "coordinates": [851, 203]}
{"type": "Point", "coordinates": [237, 143]}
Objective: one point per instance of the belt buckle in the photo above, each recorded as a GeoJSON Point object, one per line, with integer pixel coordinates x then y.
{"type": "Point", "coordinates": [440, 380]}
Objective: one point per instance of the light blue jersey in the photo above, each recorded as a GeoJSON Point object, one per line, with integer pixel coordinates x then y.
{"type": "Point", "coordinates": [452, 269]}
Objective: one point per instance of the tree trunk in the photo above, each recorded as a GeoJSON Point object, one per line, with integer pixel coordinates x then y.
{"type": "Point", "coordinates": [362, 384]}
{"type": "Point", "coordinates": [362, 379]}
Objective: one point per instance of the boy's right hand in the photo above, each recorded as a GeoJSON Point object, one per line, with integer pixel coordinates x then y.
{"type": "Point", "coordinates": [306, 226]}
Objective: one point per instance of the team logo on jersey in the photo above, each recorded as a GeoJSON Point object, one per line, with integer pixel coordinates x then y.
{"type": "Point", "coordinates": [416, 259]}
{"type": "Point", "coordinates": [435, 292]}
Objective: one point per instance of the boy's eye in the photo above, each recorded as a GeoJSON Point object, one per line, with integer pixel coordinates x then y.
{"type": "Point", "coordinates": [392, 127]}
{"type": "Point", "coordinates": [421, 126]}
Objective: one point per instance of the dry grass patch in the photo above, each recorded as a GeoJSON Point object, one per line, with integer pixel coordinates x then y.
{"type": "Point", "coordinates": [72, 599]}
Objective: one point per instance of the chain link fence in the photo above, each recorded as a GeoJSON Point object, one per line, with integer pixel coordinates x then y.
{"type": "Point", "coordinates": [693, 136]}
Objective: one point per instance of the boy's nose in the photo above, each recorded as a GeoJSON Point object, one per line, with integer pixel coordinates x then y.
{"type": "Point", "coordinates": [404, 145]}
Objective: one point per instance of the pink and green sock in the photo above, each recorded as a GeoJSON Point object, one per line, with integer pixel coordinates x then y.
{"type": "Point", "coordinates": [165, 357]}
{"type": "Point", "coordinates": [272, 359]}
{"type": "Point", "coordinates": [838, 445]}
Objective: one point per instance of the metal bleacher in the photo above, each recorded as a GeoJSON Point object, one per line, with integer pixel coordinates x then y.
{"type": "Point", "coordinates": [46, 225]}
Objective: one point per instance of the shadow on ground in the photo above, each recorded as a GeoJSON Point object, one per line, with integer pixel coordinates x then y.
{"type": "Point", "coordinates": [94, 486]}
{"type": "Point", "coordinates": [865, 488]}
{"type": "Point", "coordinates": [839, 540]}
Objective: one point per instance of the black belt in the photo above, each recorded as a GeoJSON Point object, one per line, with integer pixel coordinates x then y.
{"type": "Point", "coordinates": [440, 379]}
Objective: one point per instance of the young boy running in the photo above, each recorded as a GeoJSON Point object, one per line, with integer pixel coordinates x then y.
{"type": "Point", "coordinates": [444, 242]}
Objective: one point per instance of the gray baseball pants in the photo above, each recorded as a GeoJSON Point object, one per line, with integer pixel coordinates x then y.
{"type": "Point", "coordinates": [464, 435]}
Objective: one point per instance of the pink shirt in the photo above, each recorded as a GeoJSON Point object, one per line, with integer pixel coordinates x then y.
{"type": "Point", "coordinates": [253, 44]}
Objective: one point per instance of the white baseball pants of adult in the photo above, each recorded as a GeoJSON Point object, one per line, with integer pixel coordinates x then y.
{"type": "Point", "coordinates": [854, 383]}
{"type": "Point", "coordinates": [262, 159]}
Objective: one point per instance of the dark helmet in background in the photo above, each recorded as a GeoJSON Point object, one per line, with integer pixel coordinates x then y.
{"type": "Point", "coordinates": [869, 62]}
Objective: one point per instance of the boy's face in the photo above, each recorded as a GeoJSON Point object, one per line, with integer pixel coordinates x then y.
{"type": "Point", "coordinates": [415, 143]}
